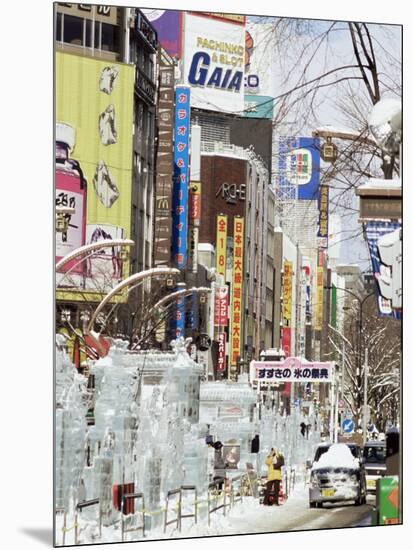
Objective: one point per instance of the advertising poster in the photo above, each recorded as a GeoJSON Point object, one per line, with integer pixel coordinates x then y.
{"type": "Point", "coordinates": [168, 25]}
{"type": "Point", "coordinates": [221, 306]}
{"type": "Point", "coordinates": [221, 244]}
{"type": "Point", "coordinates": [164, 162]}
{"type": "Point", "coordinates": [236, 291]}
{"type": "Point", "coordinates": [373, 231]}
{"type": "Point", "coordinates": [214, 63]}
{"type": "Point", "coordinates": [180, 177]}
{"type": "Point", "coordinates": [297, 165]}
{"type": "Point", "coordinates": [95, 99]}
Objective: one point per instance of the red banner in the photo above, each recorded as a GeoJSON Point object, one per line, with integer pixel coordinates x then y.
{"type": "Point", "coordinates": [221, 306]}
{"type": "Point", "coordinates": [221, 352]}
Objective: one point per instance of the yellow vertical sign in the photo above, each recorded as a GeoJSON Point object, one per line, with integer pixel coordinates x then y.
{"type": "Point", "coordinates": [319, 299]}
{"type": "Point", "coordinates": [287, 292]}
{"type": "Point", "coordinates": [221, 244]}
{"type": "Point", "coordinates": [236, 290]}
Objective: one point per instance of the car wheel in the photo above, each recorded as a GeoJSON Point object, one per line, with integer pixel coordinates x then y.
{"type": "Point", "coordinates": [319, 504]}
{"type": "Point", "coordinates": [313, 504]}
{"type": "Point", "coordinates": [358, 501]}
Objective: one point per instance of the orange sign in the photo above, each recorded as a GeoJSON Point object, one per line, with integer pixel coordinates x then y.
{"type": "Point", "coordinates": [221, 244]}
{"type": "Point", "coordinates": [236, 290]}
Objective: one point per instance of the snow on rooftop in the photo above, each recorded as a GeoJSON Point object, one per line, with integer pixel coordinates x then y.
{"type": "Point", "coordinates": [379, 183]}
{"type": "Point", "coordinates": [337, 456]}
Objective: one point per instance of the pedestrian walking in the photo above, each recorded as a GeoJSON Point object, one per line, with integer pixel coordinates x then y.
{"type": "Point", "coordinates": [274, 462]}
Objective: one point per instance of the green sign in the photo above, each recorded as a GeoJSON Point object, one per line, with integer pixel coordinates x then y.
{"type": "Point", "coordinates": [387, 500]}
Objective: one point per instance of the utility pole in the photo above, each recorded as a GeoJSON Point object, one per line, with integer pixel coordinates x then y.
{"type": "Point", "coordinates": [366, 368]}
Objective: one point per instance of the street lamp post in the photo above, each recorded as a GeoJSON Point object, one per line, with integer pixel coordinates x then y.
{"type": "Point", "coordinates": [361, 303]}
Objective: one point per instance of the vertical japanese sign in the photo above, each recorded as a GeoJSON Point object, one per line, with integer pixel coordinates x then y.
{"type": "Point", "coordinates": [180, 177]}
{"type": "Point", "coordinates": [195, 203]}
{"type": "Point", "coordinates": [221, 352]}
{"type": "Point", "coordinates": [287, 306]}
{"type": "Point", "coordinates": [319, 299]}
{"type": "Point", "coordinates": [221, 244]}
{"type": "Point", "coordinates": [221, 306]}
{"type": "Point", "coordinates": [164, 162]}
{"type": "Point", "coordinates": [323, 216]}
{"type": "Point", "coordinates": [236, 291]}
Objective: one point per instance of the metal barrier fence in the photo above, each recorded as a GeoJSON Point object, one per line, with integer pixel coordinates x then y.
{"type": "Point", "coordinates": [195, 514]}
{"type": "Point", "coordinates": [129, 496]}
{"type": "Point", "coordinates": [62, 511]}
{"type": "Point", "coordinates": [176, 520]}
{"type": "Point", "coordinates": [236, 498]}
{"type": "Point", "coordinates": [79, 507]}
{"type": "Point", "coordinates": [214, 494]}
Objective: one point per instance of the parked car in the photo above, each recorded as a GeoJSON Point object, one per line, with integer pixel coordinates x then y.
{"type": "Point", "coordinates": [337, 474]}
{"type": "Point", "coordinates": [374, 458]}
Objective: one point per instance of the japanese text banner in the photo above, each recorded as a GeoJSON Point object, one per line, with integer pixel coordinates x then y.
{"type": "Point", "coordinates": [290, 370]}
{"type": "Point", "coordinates": [236, 291]}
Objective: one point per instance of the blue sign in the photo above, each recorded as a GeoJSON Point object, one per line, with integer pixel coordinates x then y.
{"type": "Point", "coordinates": [374, 230]}
{"type": "Point", "coordinates": [258, 106]}
{"type": "Point", "coordinates": [180, 198]}
{"type": "Point", "coordinates": [180, 177]}
{"type": "Point", "coordinates": [298, 166]}
{"type": "Point", "coordinates": [347, 426]}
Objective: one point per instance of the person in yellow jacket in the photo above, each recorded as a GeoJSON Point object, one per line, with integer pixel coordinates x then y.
{"type": "Point", "coordinates": [274, 461]}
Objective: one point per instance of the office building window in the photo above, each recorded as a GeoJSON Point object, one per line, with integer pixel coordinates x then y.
{"type": "Point", "coordinates": [110, 38]}
{"type": "Point", "coordinates": [59, 27]}
{"type": "Point", "coordinates": [73, 30]}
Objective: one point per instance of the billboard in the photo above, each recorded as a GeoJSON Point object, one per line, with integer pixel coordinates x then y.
{"type": "Point", "coordinates": [164, 161]}
{"type": "Point", "coordinates": [258, 106]}
{"type": "Point", "coordinates": [195, 203]}
{"type": "Point", "coordinates": [221, 244]}
{"type": "Point", "coordinates": [297, 165]}
{"type": "Point", "coordinates": [180, 177]}
{"type": "Point", "coordinates": [214, 63]}
{"type": "Point", "coordinates": [168, 25]}
{"type": "Point", "coordinates": [236, 290]}
{"type": "Point", "coordinates": [95, 99]}
{"type": "Point", "coordinates": [374, 230]}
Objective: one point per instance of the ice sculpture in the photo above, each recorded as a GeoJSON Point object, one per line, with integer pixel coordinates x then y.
{"type": "Point", "coordinates": [70, 435]}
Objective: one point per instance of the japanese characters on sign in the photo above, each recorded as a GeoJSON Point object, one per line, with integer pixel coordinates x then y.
{"type": "Point", "coordinates": [221, 352]}
{"type": "Point", "coordinates": [221, 306]}
{"type": "Point", "coordinates": [323, 214]}
{"type": "Point", "coordinates": [236, 291]}
{"type": "Point", "coordinates": [195, 203]}
{"type": "Point", "coordinates": [319, 299]}
{"type": "Point", "coordinates": [221, 244]}
{"type": "Point", "coordinates": [290, 370]}
{"type": "Point", "coordinates": [287, 305]}
{"type": "Point", "coordinates": [180, 177]}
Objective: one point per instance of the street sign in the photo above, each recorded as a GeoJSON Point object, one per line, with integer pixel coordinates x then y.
{"type": "Point", "coordinates": [347, 426]}
{"type": "Point", "coordinates": [341, 404]}
{"type": "Point", "coordinates": [387, 500]}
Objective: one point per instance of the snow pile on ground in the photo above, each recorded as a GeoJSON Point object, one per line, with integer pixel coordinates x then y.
{"type": "Point", "coordinates": [337, 456]}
